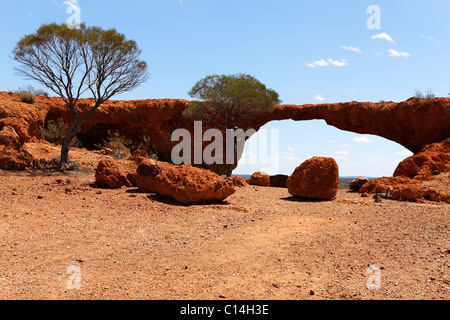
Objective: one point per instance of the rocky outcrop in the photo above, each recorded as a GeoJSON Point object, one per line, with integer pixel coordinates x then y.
{"type": "Point", "coordinates": [157, 119]}
{"type": "Point", "coordinates": [316, 178]}
{"type": "Point", "coordinates": [13, 155]}
{"type": "Point", "coordinates": [185, 184]}
{"type": "Point", "coordinates": [357, 184]}
{"type": "Point", "coordinates": [424, 176]}
{"type": "Point", "coordinates": [260, 179]}
{"type": "Point", "coordinates": [430, 161]}
{"type": "Point", "coordinates": [109, 173]}
{"type": "Point", "coordinates": [410, 189]}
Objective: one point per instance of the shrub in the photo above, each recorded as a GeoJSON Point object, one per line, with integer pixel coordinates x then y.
{"type": "Point", "coordinates": [27, 97]}
{"type": "Point", "coordinates": [56, 131]}
{"type": "Point", "coordinates": [430, 96]}
{"type": "Point", "coordinates": [33, 91]}
{"type": "Point", "coordinates": [419, 95]}
{"type": "Point", "coordinates": [120, 145]}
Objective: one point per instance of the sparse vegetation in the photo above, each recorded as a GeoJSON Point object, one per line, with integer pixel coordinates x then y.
{"type": "Point", "coordinates": [147, 146]}
{"type": "Point", "coordinates": [382, 103]}
{"type": "Point", "coordinates": [55, 132]}
{"type": "Point", "coordinates": [420, 96]}
{"type": "Point", "coordinates": [27, 97]}
{"type": "Point", "coordinates": [120, 145]}
{"type": "Point", "coordinates": [33, 91]}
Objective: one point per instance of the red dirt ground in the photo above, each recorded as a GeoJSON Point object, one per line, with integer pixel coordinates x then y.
{"type": "Point", "coordinates": [259, 244]}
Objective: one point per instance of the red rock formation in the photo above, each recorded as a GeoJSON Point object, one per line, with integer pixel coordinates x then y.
{"type": "Point", "coordinates": [157, 119]}
{"type": "Point", "coordinates": [109, 173]}
{"type": "Point", "coordinates": [357, 184]}
{"type": "Point", "coordinates": [184, 184]}
{"type": "Point", "coordinates": [13, 156]}
{"type": "Point", "coordinates": [410, 189]}
{"type": "Point", "coordinates": [260, 179]}
{"type": "Point", "coordinates": [316, 178]}
{"type": "Point", "coordinates": [430, 161]}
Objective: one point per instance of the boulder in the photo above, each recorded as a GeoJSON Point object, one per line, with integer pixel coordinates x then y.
{"type": "Point", "coordinates": [317, 178]}
{"type": "Point", "coordinates": [185, 184]}
{"type": "Point", "coordinates": [238, 181]}
{"type": "Point", "coordinates": [110, 173]}
{"type": "Point", "coordinates": [279, 181]}
{"type": "Point", "coordinates": [260, 179]}
{"type": "Point", "coordinates": [13, 155]}
{"type": "Point", "coordinates": [357, 184]}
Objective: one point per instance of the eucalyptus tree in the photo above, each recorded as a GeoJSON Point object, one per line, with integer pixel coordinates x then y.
{"type": "Point", "coordinates": [71, 62]}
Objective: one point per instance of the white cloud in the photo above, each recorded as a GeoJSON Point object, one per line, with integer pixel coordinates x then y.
{"type": "Point", "coordinates": [403, 153]}
{"type": "Point", "coordinates": [433, 39]}
{"type": "Point", "coordinates": [337, 63]}
{"type": "Point", "coordinates": [332, 141]}
{"type": "Point", "coordinates": [384, 36]}
{"type": "Point", "coordinates": [361, 140]}
{"type": "Point", "coordinates": [397, 54]}
{"type": "Point", "coordinates": [354, 49]}
{"type": "Point", "coordinates": [318, 63]}
{"type": "Point", "coordinates": [342, 153]}
{"type": "Point", "coordinates": [323, 63]}
{"type": "Point", "coordinates": [318, 97]}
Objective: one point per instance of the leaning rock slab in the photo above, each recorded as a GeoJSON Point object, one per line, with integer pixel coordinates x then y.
{"type": "Point", "coordinates": [184, 184]}
{"type": "Point", "coordinates": [317, 178]}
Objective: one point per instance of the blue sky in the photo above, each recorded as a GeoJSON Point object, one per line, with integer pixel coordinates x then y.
{"type": "Point", "coordinates": [309, 51]}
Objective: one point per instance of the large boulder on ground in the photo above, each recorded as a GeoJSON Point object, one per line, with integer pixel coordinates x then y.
{"type": "Point", "coordinates": [110, 173]}
{"type": "Point", "coordinates": [357, 184]}
{"type": "Point", "coordinates": [279, 181]}
{"type": "Point", "coordinates": [260, 179]}
{"type": "Point", "coordinates": [13, 155]}
{"type": "Point", "coordinates": [185, 184]}
{"type": "Point", "coordinates": [317, 178]}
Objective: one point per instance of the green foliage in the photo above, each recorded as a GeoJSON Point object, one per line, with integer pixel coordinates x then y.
{"type": "Point", "coordinates": [56, 131]}
{"type": "Point", "coordinates": [230, 98]}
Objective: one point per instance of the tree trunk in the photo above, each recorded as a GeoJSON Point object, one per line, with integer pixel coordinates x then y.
{"type": "Point", "coordinates": [71, 133]}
